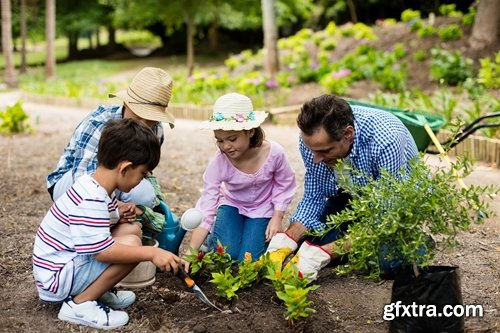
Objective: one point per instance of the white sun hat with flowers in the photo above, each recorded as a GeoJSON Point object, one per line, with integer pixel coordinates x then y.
{"type": "Point", "coordinates": [234, 112]}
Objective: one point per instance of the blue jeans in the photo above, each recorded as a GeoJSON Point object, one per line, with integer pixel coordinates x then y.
{"type": "Point", "coordinates": [239, 233]}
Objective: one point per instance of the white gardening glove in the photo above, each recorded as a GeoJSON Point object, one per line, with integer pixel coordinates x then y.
{"type": "Point", "coordinates": [310, 259]}
{"type": "Point", "coordinates": [280, 247]}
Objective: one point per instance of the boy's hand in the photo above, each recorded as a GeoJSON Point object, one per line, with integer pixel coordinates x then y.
{"type": "Point", "coordinates": [167, 261]}
{"type": "Point", "coordinates": [128, 212]}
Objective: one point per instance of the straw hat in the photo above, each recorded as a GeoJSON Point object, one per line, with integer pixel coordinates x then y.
{"type": "Point", "coordinates": [234, 112]}
{"type": "Point", "coordinates": [148, 95]}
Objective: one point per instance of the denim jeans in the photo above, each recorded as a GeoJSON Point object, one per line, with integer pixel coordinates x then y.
{"type": "Point", "coordinates": [239, 233]}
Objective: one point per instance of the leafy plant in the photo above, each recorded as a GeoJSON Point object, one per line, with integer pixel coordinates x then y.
{"type": "Point", "coordinates": [226, 283]}
{"type": "Point", "coordinates": [396, 216]}
{"type": "Point", "coordinates": [449, 66]}
{"type": "Point", "coordinates": [296, 301]}
{"type": "Point", "coordinates": [291, 287]}
{"type": "Point", "coordinates": [449, 10]}
{"type": "Point", "coordinates": [14, 119]}
{"type": "Point", "coordinates": [410, 15]}
{"type": "Point", "coordinates": [469, 18]}
{"type": "Point", "coordinates": [426, 31]}
{"type": "Point", "coordinates": [489, 73]}
{"type": "Point", "coordinates": [202, 263]}
{"type": "Point", "coordinates": [450, 32]}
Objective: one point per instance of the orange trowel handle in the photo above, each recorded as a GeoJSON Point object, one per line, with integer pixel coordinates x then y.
{"type": "Point", "coordinates": [185, 278]}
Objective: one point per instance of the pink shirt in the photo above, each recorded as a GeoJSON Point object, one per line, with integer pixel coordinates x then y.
{"type": "Point", "coordinates": [255, 195]}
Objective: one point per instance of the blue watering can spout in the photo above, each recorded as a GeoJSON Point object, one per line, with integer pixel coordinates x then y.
{"type": "Point", "coordinates": [172, 234]}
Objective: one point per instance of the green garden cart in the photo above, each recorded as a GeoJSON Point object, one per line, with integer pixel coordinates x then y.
{"type": "Point", "coordinates": [417, 121]}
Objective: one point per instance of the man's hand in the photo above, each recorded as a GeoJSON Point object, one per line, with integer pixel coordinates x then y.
{"type": "Point", "coordinates": [280, 247]}
{"type": "Point", "coordinates": [310, 259]}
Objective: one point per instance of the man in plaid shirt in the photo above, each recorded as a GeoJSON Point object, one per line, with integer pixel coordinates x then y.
{"type": "Point", "coordinates": [146, 100]}
{"type": "Point", "coordinates": [367, 139]}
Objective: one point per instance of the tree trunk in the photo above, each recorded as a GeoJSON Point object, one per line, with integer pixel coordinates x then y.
{"type": "Point", "coordinates": [10, 72]}
{"type": "Point", "coordinates": [50, 37]}
{"type": "Point", "coordinates": [271, 60]}
{"type": "Point", "coordinates": [111, 47]}
{"type": "Point", "coordinates": [22, 21]}
{"type": "Point", "coordinates": [213, 35]}
{"type": "Point", "coordinates": [352, 11]}
{"type": "Point", "coordinates": [97, 38]}
{"type": "Point", "coordinates": [72, 45]}
{"type": "Point", "coordinates": [487, 24]}
{"type": "Point", "coordinates": [190, 46]}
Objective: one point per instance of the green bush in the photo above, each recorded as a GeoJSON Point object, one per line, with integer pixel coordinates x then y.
{"type": "Point", "coordinates": [450, 10]}
{"type": "Point", "coordinates": [450, 32]}
{"type": "Point", "coordinates": [450, 67]}
{"type": "Point", "coordinates": [489, 73]}
{"type": "Point", "coordinates": [396, 216]}
{"type": "Point", "coordinates": [426, 31]}
{"type": "Point", "coordinates": [14, 120]}
{"type": "Point", "coordinates": [410, 15]}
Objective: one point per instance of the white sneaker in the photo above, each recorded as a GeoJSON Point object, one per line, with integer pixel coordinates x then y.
{"type": "Point", "coordinates": [93, 314]}
{"type": "Point", "coordinates": [118, 299]}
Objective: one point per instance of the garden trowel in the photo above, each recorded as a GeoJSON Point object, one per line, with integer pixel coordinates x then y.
{"type": "Point", "coordinates": [192, 285]}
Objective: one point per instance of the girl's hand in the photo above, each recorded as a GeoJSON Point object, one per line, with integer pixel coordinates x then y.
{"type": "Point", "coordinates": [273, 227]}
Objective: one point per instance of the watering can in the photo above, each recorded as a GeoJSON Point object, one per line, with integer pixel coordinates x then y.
{"type": "Point", "coordinates": [170, 238]}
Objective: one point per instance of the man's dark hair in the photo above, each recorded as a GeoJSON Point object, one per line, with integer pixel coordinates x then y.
{"type": "Point", "coordinates": [128, 140]}
{"type": "Point", "coordinates": [328, 111]}
{"type": "Point", "coordinates": [257, 138]}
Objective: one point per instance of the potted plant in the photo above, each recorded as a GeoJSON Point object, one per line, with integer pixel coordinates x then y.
{"type": "Point", "coordinates": [402, 220]}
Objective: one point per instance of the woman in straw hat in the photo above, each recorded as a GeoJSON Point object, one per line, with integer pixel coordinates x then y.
{"type": "Point", "coordinates": [248, 185]}
{"type": "Point", "coordinates": [146, 100]}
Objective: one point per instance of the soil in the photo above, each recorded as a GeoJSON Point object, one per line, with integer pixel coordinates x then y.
{"type": "Point", "coordinates": [342, 304]}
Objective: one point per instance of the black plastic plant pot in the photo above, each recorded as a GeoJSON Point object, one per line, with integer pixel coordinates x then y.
{"type": "Point", "coordinates": [423, 303]}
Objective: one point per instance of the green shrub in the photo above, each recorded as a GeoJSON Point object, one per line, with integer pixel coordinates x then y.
{"type": "Point", "coordinates": [410, 15]}
{"type": "Point", "coordinates": [14, 120]}
{"type": "Point", "coordinates": [337, 82]}
{"type": "Point", "coordinates": [450, 67]}
{"type": "Point", "coordinates": [396, 216]}
{"type": "Point", "coordinates": [426, 31]}
{"type": "Point", "coordinates": [450, 32]}
{"type": "Point", "coordinates": [419, 55]}
{"type": "Point", "coordinates": [450, 10]}
{"type": "Point", "coordinates": [469, 18]}
{"type": "Point", "coordinates": [489, 73]}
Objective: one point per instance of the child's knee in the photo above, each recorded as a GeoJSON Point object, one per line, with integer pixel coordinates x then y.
{"type": "Point", "coordinates": [131, 240]}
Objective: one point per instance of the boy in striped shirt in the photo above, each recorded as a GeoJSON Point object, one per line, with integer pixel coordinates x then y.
{"type": "Point", "coordinates": [88, 242]}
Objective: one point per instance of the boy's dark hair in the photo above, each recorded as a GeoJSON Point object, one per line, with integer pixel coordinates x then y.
{"type": "Point", "coordinates": [128, 140]}
{"type": "Point", "coordinates": [328, 111]}
{"type": "Point", "coordinates": [257, 138]}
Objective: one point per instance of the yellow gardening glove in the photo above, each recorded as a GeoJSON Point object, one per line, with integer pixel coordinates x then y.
{"type": "Point", "coordinates": [280, 247]}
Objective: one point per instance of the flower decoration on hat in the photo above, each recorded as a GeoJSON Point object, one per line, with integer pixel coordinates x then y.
{"type": "Point", "coordinates": [239, 117]}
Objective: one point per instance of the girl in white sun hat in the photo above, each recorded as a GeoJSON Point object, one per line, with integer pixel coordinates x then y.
{"type": "Point", "coordinates": [248, 185]}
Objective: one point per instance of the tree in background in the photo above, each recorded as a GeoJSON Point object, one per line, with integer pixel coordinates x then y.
{"type": "Point", "coordinates": [50, 38]}
{"type": "Point", "coordinates": [22, 28]}
{"type": "Point", "coordinates": [486, 29]}
{"type": "Point", "coordinates": [10, 73]}
{"type": "Point", "coordinates": [271, 60]}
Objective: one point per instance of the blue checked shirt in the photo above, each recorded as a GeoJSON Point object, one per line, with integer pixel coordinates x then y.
{"type": "Point", "coordinates": [80, 154]}
{"type": "Point", "coordinates": [381, 141]}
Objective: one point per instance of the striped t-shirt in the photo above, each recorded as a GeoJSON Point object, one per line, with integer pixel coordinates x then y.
{"type": "Point", "coordinates": [78, 223]}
